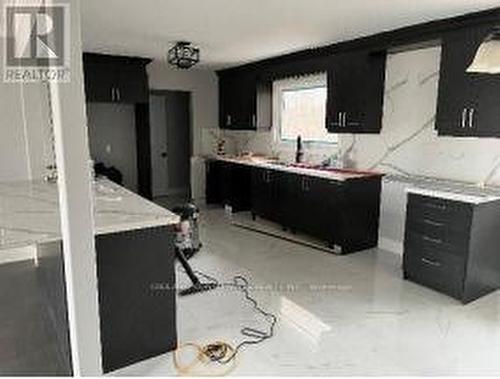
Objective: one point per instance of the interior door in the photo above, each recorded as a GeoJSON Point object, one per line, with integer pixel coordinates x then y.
{"type": "Point", "coordinates": [159, 156]}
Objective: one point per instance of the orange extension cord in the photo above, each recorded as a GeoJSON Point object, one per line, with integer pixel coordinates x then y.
{"type": "Point", "coordinates": [207, 355]}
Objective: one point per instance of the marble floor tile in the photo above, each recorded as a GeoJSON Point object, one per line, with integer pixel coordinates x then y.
{"type": "Point", "coordinates": [337, 315]}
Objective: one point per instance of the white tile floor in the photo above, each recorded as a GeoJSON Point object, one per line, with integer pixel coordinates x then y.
{"type": "Point", "coordinates": [367, 322]}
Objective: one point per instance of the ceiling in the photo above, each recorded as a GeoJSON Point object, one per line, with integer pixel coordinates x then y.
{"type": "Point", "coordinates": [231, 32]}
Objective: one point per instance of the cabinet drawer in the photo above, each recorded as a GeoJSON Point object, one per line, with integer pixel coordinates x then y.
{"type": "Point", "coordinates": [450, 242]}
{"type": "Point", "coordinates": [435, 269]}
{"type": "Point", "coordinates": [438, 212]}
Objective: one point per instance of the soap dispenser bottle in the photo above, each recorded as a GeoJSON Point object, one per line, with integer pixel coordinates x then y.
{"type": "Point", "coordinates": [299, 154]}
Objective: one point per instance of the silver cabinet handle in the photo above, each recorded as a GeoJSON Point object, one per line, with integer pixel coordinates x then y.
{"type": "Point", "coordinates": [305, 184]}
{"type": "Point", "coordinates": [471, 118]}
{"type": "Point", "coordinates": [112, 93]}
{"type": "Point", "coordinates": [433, 223]}
{"type": "Point", "coordinates": [435, 206]}
{"type": "Point", "coordinates": [433, 240]}
{"type": "Point", "coordinates": [228, 120]}
{"type": "Point", "coordinates": [340, 119]}
{"type": "Point", "coordinates": [464, 115]}
{"type": "Point", "coordinates": [254, 121]}
{"type": "Point", "coordinates": [343, 119]}
{"type": "Point", "coordinates": [118, 94]}
{"type": "Point", "coordinates": [431, 262]}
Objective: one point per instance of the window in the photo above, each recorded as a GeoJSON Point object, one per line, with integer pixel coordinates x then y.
{"type": "Point", "coordinates": [301, 105]}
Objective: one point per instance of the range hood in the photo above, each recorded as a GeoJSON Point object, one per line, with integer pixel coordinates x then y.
{"type": "Point", "coordinates": [487, 59]}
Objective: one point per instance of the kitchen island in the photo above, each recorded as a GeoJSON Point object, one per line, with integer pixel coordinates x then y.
{"type": "Point", "coordinates": [340, 207]}
{"type": "Point", "coordinates": [135, 265]}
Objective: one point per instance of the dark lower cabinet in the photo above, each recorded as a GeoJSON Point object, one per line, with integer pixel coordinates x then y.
{"type": "Point", "coordinates": [268, 194]}
{"type": "Point", "coordinates": [452, 246]}
{"type": "Point", "coordinates": [137, 308]}
{"type": "Point", "coordinates": [343, 214]}
{"type": "Point", "coordinates": [228, 184]}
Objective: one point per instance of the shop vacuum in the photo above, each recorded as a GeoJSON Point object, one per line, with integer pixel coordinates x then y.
{"type": "Point", "coordinates": [187, 244]}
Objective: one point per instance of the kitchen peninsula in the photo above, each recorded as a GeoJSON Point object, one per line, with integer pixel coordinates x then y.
{"type": "Point", "coordinates": [135, 251]}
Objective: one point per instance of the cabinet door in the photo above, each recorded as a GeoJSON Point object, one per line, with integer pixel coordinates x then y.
{"type": "Point", "coordinates": [213, 189]}
{"type": "Point", "coordinates": [459, 91]}
{"type": "Point", "coordinates": [355, 92]}
{"type": "Point", "coordinates": [245, 116]}
{"type": "Point", "coordinates": [294, 208]}
{"type": "Point", "coordinates": [99, 83]}
{"type": "Point", "coordinates": [261, 193]}
{"type": "Point", "coordinates": [484, 118]}
{"type": "Point", "coordinates": [327, 205]}
{"type": "Point", "coordinates": [238, 97]}
{"type": "Point", "coordinates": [131, 84]}
{"type": "Point", "coordinates": [227, 102]}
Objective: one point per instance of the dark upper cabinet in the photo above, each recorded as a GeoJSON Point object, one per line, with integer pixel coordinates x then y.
{"type": "Point", "coordinates": [356, 92]}
{"type": "Point", "coordinates": [115, 79]}
{"type": "Point", "coordinates": [244, 101]}
{"type": "Point", "coordinates": [467, 102]}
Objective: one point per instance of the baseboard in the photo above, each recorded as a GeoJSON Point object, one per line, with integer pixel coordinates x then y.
{"type": "Point", "coordinates": [17, 255]}
{"type": "Point", "coordinates": [390, 245]}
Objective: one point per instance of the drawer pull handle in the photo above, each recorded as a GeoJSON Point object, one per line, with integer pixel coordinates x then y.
{"type": "Point", "coordinates": [441, 207]}
{"type": "Point", "coordinates": [433, 240]}
{"type": "Point", "coordinates": [433, 223]}
{"type": "Point", "coordinates": [430, 262]}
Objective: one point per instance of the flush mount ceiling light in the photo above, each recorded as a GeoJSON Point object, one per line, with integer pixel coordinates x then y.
{"type": "Point", "coordinates": [183, 55]}
{"type": "Point", "coordinates": [487, 59]}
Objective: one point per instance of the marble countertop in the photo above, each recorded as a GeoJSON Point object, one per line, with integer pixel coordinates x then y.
{"type": "Point", "coordinates": [29, 212]}
{"type": "Point", "coordinates": [455, 196]}
{"type": "Point", "coordinates": [266, 163]}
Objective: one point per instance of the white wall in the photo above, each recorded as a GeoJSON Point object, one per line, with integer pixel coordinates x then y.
{"type": "Point", "coordinates": [25, 148]}
{"type": "Point", "coordinates": [203, 85]}
{"type": "Point", "coordinates": [112, 138]}
{"type": "Point", "coordinates": [23, 125]}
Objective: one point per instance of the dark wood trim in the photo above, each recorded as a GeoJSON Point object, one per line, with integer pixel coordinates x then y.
{"type": "Point", "coordinates": [382, 41]}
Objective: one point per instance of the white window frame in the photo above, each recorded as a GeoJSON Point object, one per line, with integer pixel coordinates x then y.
{"type": "Point", "coordinates": [296, 83]}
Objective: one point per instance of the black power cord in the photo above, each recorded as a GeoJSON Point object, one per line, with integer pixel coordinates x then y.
{"type": "Point", "coordinates": [223, 353]}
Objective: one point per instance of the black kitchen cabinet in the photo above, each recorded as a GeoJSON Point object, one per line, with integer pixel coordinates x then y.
{"type": "Point", "coordinates": [119, 79]}
{"type": "Point", "coordinates": [115, 79]}
{"type": "Point", "coordinates": [452, 246]}
{"type": "Point", "coordinates": [343, 214]}
{"type": "Point", "coordinates": [244, 101]}
{"type": "Point", "coordinates": [268, 193]}
{"type": "Point", "coordinates": [137, 297]}
{"type": "Point", "coordinates": [314, 201]}
{"type": "Point", "coordinates": [215, 182]}
{"type": "Point", "coordinates": [228, 184]}
{"type": "Point", "coordinates": [356, 92]}
{"type": "Point", "coordinates": [467, 102]}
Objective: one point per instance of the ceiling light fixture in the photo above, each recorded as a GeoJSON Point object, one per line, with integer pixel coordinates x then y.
{"type": "Point", "coordinates": [183, 55]}
{"type": "Point", "coordinates": [487, 59]}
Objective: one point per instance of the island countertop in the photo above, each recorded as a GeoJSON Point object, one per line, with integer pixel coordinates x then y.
{"type": "Point", "coordinates": [29, 212]}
